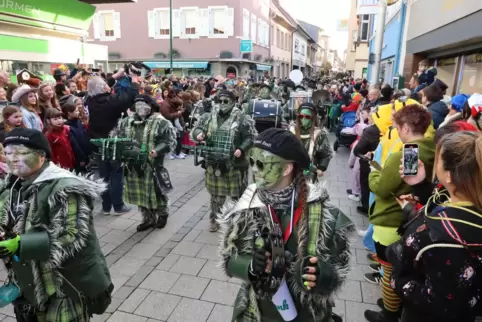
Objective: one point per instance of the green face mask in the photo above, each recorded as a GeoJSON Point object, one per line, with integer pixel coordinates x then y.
{"type": "Point", "coordinates": [226, 104]}
{"type": "Point", "coordinates": [267, 168]}
{"type": "Point", "coordinates": [305, 119]}
{"type": "Point", "coordinates": [264, 93]}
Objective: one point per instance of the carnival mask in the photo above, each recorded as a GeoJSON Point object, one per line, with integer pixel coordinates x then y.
{"type": "Point", "coordinates": [226, 104]}
{"type": "Point", "coordinates": [267, 168]}
{"type": "Point", "coordinates": [305, 119]}
{"type": "Point", "coordinates": [143, 109]}
{"type": "Point", "coordinates": [21, 160]}
{"type": "Point", "coordinates": [264, 93]}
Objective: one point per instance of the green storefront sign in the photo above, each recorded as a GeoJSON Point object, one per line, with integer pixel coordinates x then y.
{"type": "Point", "coordinates": [67, 13]}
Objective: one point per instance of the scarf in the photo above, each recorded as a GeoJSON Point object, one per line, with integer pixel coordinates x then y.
{"type": "Point", "coordinates": [280, 199]}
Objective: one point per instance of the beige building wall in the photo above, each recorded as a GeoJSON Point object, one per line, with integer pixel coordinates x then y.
{"type": "Point", "coordinates": [356, 52]}
{"type": "Point", "coordinates": [280, 51]}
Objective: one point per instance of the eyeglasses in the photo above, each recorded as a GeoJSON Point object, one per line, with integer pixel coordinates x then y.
{"type": "Point", "coordinates": [304, 116]}
{"type": "Point", "coordinates": [224, 101]}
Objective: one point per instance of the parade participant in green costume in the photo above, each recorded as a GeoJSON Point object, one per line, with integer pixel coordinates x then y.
{"type": "Point", "coordinates": [283, 231]}
{"type": "Point", "coordinates": [264, 92]}
{"type": "Point", "coordinates": [315, 140]}
{"type": "Point", "coordinates": [227, 135]}
{"type": "Point", "coordinates": [48, 241]}
{"type": "Point", "coordinates": [156, 136]}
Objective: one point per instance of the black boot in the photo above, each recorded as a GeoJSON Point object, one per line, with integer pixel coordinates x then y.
{"type": "Point", "coordinates": [382, 316]}
{"type": "Point", "coordinates": [161, 222]}
{"type": "Point", "coordinates": [145, 225]}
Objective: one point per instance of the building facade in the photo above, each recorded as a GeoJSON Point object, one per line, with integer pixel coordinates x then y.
{"type": "Point", "coordinates": [392, 42]}
{"type": "Point", "coordinates": [317, 48]}
{"type": "Point", "coordinates": [206, 38]}
{"type": "Point", "coordinates": [39, 35]}
{"type": "Point", "coordinates": [282, 28]}
{"type": "Point", "coordinates": [451, 40]}
{"type": "Point", "coordinates": [359, 34]}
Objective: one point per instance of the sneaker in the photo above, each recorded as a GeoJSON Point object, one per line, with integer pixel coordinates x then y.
{"type": "Point", "coordinates": [171, 156]}
{"type": "Point", "coordinates": [183, 154]}
{"type": "Point", "coordinates": [373, 278]}
{"type": "Point", "coordinates": [383, 316]}
{"type": "Point", "coordinates": [105, 212]}
{"type": "Point", "coordinates": [180, 156]}
{"type": "Point", "coordinates": [372, 257]}
{"type": "Point", "coordinates": [123, 210]}
{"type": "Point", "coordinates": [354, 198]}
{"type": "Point", "coordinates": [362, 211]}
{"type": "Point", "coordinates": [375, 267]}
{"type": "Point", "coordinates": [361, 233]}
{"type": "Point", "coordinates": [214, 227]}
{"type": "Point", "coordinates": [348, 191]}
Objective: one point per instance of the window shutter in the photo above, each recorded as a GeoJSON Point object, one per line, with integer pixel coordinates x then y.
{"type": "Point", "coordinates": [246, 23]}
{"type": "Point", "coordinates": [96, 25]}
{"type": "Point", "coordinates": [211, 22]}
{"type": "Point", "coordinates": [260, 32]}
{"type": "Point", "coordinates": [203, 23]}
{"type": "Point", "coordinates": [229, 22]}
{"type": "Point", "coordinates": [151, 23]}
{"type": "Point", "coordinates": [182, 22]}
{"type": "Point", "coordinates": [117, 25]}
{"type": "Point", "coordinates": [267, 26]}
{"type": "Point", "coordinates": [253, 28]}
{"type": "Point", "coordinates": [176, 23]}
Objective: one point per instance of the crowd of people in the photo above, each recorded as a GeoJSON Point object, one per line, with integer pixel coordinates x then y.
{"type": "Point", "coordinates": [279, 234]}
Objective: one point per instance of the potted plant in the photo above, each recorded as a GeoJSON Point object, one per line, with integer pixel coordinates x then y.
{"type": "Point", "coordinates": [226, 54]}
{"type": "Point", "coordinates": [160, 55]}
{"type": "Point", "coordinates": [258, 57]}
{"type": "Point", "coordinates": [175, 53]}
{"type": "Point", "coordinates": [246, 56]}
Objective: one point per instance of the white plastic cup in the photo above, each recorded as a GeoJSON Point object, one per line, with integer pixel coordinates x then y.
{"type": "Point", "coordinates": [284, 303]}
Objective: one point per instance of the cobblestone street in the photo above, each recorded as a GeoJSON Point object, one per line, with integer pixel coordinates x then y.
{"type": "Point", "coordinates": [171, 274]}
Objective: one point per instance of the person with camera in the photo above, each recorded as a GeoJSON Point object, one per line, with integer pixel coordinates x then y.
{"type": "Point", "coordinates": [56, 269]}
{"type": "Point", "coordinates": [105, 109]}
{"type": "Point", "coordinates": [283, 239]}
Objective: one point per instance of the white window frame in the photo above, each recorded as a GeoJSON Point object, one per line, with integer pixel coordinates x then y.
{"type": "Point", "coordinates": [246, 24]}
{"type": "Point", "coordinates": [183, 23]}
{"type": "Point", "coordinates": [101, 33]}
{"type": "Point", "coordinates": [362, 22]}
{"type": "Point", "coordinates": [211, 22]}
{"type": "Point", "coordinates": [156, 12]}
{"type": "Point", "coordinates": [254, 31]}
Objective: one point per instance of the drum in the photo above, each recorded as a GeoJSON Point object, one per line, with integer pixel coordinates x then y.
{"type": "Point", "coordinates": [266, 114]}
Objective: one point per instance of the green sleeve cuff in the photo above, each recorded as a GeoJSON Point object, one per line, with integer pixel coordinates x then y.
{"type": "Point", "coordinates": [239, 267]}
{"type": "Point", "coordinates": [195, 133]}
{"type": "Point", "coordinates": [162, 148]}
{"type": "Point", "coordinates": [246, 145]}
{"type": "Point", "coordinates": [34, 246]}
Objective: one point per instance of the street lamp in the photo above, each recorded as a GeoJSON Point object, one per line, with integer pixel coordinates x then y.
{"type": "Point", "coordinates": [170, 35]}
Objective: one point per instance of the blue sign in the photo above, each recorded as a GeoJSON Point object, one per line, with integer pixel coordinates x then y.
{"type": "Point", "coordinates": [246, 46]}
{"type": "Point", "coordinates": [183, 64]}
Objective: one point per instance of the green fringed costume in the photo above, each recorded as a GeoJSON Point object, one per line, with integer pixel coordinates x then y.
{"type": "Point", "coordinates": [226, 175]}
{"type": "Point", "coordinates": [324, 234]}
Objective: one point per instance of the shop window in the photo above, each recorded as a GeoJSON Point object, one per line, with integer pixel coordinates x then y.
{"type": "Point", "coordinates": [106, 25]}
{"type": "Point", "coordinates": [364, 27]}
{"type": "Point", "coordinates": [446, 69]}
{"type": "Point", "coordinates": [472, 75]}
{"type": "Point", "coordinates": [297, 46]}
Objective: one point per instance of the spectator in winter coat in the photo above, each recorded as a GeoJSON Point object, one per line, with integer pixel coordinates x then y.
{"type": "Point", "coordinates": [432, 99]}
{"type": "Point", "coordinates": [60, 139]}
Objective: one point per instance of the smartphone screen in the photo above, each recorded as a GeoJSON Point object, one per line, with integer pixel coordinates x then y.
{"type": "Point", "coordinates": [410, 159]}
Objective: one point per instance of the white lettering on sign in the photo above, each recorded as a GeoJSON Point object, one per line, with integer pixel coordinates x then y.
{"type": "Point", "coordinates": [15, 6]}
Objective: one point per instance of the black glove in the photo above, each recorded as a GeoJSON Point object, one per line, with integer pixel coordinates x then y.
{"type": "Point", "coordinates": [259, 262]}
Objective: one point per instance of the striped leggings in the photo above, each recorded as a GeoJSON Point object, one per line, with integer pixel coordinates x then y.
{"type": "Point", "coordinates": [391, 301]}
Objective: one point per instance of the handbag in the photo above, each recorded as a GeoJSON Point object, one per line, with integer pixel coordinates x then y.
{"type": "Point", "coordinates": [162, 180]}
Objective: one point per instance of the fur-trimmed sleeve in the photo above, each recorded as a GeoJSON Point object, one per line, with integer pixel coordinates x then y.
{"type": "Point", "coordinates": [323, 152]}
{"type": "Point", "coordinates": [236, 244]}
{"type": "Point", "coordinates": [200, 126]}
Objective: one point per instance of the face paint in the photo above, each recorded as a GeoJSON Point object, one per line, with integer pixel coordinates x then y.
{"type": "Point", "coordinates": [143, 109]}
{"type": "Point", "coordinates": [22, 161]}
{"type": "Point", "coordinates": [264, 93]}
{"type": "Point", "coordinates": [267, 168]}
{"type": "Point", "coordinates": [226, 104]}
{"type": "Point", "coordinates": [306, 121]}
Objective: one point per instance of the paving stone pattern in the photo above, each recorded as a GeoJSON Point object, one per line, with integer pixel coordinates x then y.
{"type": "Point", "coordinates": [173, 275]}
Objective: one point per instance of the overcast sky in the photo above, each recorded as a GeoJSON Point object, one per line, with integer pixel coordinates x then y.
{"type": "Point", "coordinates": [323, 13]}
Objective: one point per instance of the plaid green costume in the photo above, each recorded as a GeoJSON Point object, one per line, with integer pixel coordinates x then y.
{"type": "Point", "coordinates": [324, 235]}
{"type": "Point", "coordinates": [139, 188]}
{"type": "Point", "coordinates": [224, 135]}
{"type": "Point", "coordinates": [318, 148]}
{"type": "Point", "coordinates": [60, 267]}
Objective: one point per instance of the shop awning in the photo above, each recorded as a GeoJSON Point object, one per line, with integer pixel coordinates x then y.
{"type": "Point", "coordinates": [263, 67]}
{"type": "Point", "coordinates": [177, 64]}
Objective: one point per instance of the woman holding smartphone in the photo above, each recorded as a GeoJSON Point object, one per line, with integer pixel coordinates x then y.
{"type": "Point", "coordinates": [438, 262]}
{"type": "Point", "coordinates": [411, 122]}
